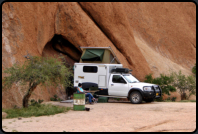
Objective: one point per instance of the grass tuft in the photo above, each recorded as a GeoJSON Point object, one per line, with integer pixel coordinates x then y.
{"type": "Point", "coordinates": [187, 101]}
{"type": "Point", "coordinates": [38, 110]}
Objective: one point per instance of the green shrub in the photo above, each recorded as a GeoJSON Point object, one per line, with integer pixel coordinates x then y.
{"type": "Point", "coordinates": [159, 99]}
{"type": "Point", "coordinates": [35, 103]}
{"type": "Point", "coordinates": [55, 98]}
{"type": "Point", "coordinates": [35, 110]}
{"type": "Point", "coordinates": [187, 101]}
{"type": "Point", "coordinates": [163, 81]}
{"type": "Point", "coordinates": [59, 99]}
{"type": "Point", "coordinates": [167, 101]}
{"type": "Point", "coordinates": [184, 84]}
{"type": "Point", "coordinates": [194, 69]}
{"type": "Point", "coordinates": [184, 101]}
{"type": "Point", "coordinates": [169, 83]}
{"type": "Point", "coordinates": [118, 99]}
{"type": "Point", "coordinates": [173, 99]}
{"type": "Point", "coordinates": [149, 78]}
{"type": "Point", "coordinates": [192, 100]}
{"type": "Point", "coordinates": [52, 99]}
{"type": "Point", "coordinates": [168, 98]}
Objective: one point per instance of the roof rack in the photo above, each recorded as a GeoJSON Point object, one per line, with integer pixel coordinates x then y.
{"type": "Point", "coordinates": [121, 70]}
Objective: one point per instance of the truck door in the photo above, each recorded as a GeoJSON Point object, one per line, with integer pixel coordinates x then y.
{"type": "Point", "coordinates": [118, 86]}
{"type": "Point", "coordinates": [102, 73]}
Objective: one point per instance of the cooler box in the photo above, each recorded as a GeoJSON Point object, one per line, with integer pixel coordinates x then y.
{"type": "Point", "coordinates": [102, 99]}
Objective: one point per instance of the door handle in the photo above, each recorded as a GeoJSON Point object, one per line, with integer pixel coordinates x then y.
{"type": "Point", "coordinates": [111, 84]}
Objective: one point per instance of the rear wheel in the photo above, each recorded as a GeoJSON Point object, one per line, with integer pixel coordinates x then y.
{"type": "Point", "coordinates": [135, 97]}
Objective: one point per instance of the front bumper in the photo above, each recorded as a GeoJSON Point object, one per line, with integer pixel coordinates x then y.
{"type": "Point", "coordinates": [158, 91]}
{"type": "Point", "coordinates": [154, 94]}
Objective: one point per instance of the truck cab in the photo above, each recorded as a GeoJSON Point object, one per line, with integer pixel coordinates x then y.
{"type": "Point", "coordinates": [126, 85]}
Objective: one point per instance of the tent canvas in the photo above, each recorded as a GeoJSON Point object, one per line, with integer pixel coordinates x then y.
{"type": "Point", "coordinates": [105, 55]}
{"type": "Point", "coordinates": [93, 55]}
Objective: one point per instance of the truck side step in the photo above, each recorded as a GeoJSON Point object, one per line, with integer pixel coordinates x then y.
{"type": "Point", "coordinates": [111, 96]}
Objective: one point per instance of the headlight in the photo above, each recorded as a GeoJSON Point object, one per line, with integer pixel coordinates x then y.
{"type": "Point", "coordinates": [147, 88]}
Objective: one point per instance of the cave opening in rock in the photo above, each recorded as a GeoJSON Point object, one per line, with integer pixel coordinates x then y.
{"type": "Point", "coordinates": [60, 46]}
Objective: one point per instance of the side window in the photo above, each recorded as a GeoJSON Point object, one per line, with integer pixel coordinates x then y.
{"type": "Point", "coordinates": [118, 79]}
{"type": "Point", "coordinates": [90, 69]}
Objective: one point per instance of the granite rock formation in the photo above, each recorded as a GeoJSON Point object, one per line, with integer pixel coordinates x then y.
{"type": "Point", "coordinates": [147, 37]}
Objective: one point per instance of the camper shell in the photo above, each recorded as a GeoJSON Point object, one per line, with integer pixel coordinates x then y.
{"type": "Point", "coordinates": [93, 75]}
{"type": "Point", "coordinates": [100, 71]}
{"type": "Point", "coordinates": [97, 63]}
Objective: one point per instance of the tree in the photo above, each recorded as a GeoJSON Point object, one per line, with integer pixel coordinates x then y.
{"type": "Point", "coordinates": [37, 71]}
{"type": "Point", "coordinates": [184, 84]}
{"type": "Point", "coordinates": [175, 80]}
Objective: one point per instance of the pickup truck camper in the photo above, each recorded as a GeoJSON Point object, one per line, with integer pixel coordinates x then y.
{"type": "Point", "coordinates": [100, 69]}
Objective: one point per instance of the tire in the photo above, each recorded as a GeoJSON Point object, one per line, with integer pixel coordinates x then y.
{"type": "Point", "coordinates": [135, 97]}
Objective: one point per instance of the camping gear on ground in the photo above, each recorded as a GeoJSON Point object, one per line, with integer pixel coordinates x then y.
{"type": "Point", "coordinates": [87, 109]}
{"type": "Point", "coordinates": [102, 99]}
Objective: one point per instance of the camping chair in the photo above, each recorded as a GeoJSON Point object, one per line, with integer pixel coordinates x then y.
{"type": "Point", "coordinates": [93, 89]}
{"type": "Point", "coordinates": [87, 98]}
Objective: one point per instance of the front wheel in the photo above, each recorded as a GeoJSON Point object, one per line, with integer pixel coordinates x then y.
{"type": "Point", "coordinates": [135, 97]}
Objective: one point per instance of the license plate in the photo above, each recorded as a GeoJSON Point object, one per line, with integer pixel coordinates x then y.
{"type": "Point", "coordinates": [157, 94]}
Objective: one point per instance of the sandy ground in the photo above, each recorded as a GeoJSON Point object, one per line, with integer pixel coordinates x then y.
{"type": "Point", "coordinates": [112, 117]}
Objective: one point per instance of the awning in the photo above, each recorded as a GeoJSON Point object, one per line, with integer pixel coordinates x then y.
{"type": "Point", "coordinates": [93, 55]}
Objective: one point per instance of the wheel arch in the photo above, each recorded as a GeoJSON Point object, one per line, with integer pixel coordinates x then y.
{"type": "Point", "coordinates": [87, 85]}
{"type": "Point", "coordinates": [135, 89]}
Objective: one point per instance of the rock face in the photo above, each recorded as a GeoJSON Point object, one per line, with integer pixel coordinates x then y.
{"type": "Point", "coordinates": [146, 37]}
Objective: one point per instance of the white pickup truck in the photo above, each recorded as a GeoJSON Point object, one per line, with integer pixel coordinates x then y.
{"type": "Point", "coordinates": [111, 80]}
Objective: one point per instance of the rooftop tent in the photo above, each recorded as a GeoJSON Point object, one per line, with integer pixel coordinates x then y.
{"type": "Point", "coordinates": [98, 55]}
{"type": "Point", "coordinates": [93, 55]}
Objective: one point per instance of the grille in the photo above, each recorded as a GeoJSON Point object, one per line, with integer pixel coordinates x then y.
{"type": "Point", "coordinates": [156, 87]}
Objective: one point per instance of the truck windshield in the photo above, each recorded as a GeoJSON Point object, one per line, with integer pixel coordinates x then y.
{"type": "Point", "coordinates": [130, 78]}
